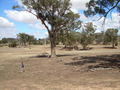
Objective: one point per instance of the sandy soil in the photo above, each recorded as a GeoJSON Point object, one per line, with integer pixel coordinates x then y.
{"type": "Point", "coordinates": [95, 69]}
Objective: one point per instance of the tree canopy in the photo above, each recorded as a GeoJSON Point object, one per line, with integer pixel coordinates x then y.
{"type": "Point", "coordinates": [25, 39]}
{"type": "Point", "coordinates": [87, 35]}
{"type": "Point", "coordinates": [111, 35]}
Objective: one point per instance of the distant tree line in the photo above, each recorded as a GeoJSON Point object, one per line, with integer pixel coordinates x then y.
{"type": "Point", "coordinates": [23, 39]}
{"type": "Point", "coordinates": [70, 39]}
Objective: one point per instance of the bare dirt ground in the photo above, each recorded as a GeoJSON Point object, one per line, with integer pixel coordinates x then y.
{"type": "Point", "coordinates": [95, 69]}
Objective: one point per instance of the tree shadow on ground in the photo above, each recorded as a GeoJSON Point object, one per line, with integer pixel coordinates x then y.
{"type": "Point", "coordinates": [76, 48]}
{"type": "Point", "coordinates": [110, 47]}
{"type": "Point", "coordinates": [48, 56]}
{"type": "Point", "coordinates": [90, 48]}
{"type": "Point", "coordinates": [103, 61]}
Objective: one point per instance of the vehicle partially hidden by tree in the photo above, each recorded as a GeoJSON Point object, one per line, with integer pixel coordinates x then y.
{"type": "Point", "coordinates": [55, 15]}
{"type": "Point", "coordinates": [87, 35]}
{"type": "Point", "coordinates": [43, 41]}
{"type": "Point", "coordinates": [111, 36]}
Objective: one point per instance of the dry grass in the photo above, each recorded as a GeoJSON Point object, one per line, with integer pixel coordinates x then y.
{"type": "Point", "coordinates": [71, 70]}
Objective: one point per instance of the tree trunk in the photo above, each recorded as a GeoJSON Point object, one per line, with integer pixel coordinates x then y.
{"type": "Point", "coordinates": [53, 52]}
{"type": "Point", "coordinates": [53, 44]}
{"type": "Point", "coordinates": [113, 45]}
{"type": "Point", "coordinates": [84, 47]}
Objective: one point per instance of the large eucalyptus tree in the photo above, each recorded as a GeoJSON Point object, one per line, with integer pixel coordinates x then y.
{"type": "Point", "coordinates": [55, 15]}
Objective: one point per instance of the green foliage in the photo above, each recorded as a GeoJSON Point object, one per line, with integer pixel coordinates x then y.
{"type": "Point", "coordinates": [31, 39]}
{"type": "Point", "coordinates": [54, 12]}
{"type": "Point", "coordinates": [71, 39]}
{"type": "Point", "coordinates": [72, 22]}
{"type": "Point", "coordinates": [4, 40]}
{"type": "Point", "coordinates": [0, 41]}
{"type": "Point", "coordinates": [25, 39]}
{"type": "Point", "coordinates": [7, 40]}
{"type": "Point", "coordinates": [87, 35]}
{"type": "Point", "coordinates": [1, 44]}
{"type": "Point", "coordinates": [111, 36]}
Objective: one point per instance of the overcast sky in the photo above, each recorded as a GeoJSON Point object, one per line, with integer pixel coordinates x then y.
{"type": "Point", "coordinates": [13, 22]}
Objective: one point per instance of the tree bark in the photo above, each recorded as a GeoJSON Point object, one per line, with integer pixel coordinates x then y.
{"type": "Point", "coordinates": [84, 47]}
{"type": "Point", "coordinates": [113, 45]}
{"type": "Point", "coordinates": [53, 44]}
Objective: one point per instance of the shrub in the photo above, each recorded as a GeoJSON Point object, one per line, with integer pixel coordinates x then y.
{"type": "Point", "coordinates": [1, 45]}
{"type": "Point", "coordinates": [12, 44]}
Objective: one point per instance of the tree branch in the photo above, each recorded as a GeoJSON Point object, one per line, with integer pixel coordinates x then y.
{"type": "Point", "coordinates": [31, 12]}
{"type": "Point", "coordinates": [108, 12]}
{"type": "Point", "coordinates": [45, 26]}
{"type": "Point", "coordinates": [111, 8]}
{"type": "Point", "coordinates": [39, 18]}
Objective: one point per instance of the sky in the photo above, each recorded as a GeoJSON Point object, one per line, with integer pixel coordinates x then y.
{"type": "Point", "coordinates": [13, 22]}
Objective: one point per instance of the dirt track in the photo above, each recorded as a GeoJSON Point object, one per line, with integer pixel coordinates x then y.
{"type": "Point", "coordinates": [95, 69]}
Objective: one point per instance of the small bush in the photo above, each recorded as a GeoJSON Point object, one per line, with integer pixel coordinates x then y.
{"type": "Point", "coordinates": [13, 44]}
{"type": "Point", "coordinates": [1, 45]}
